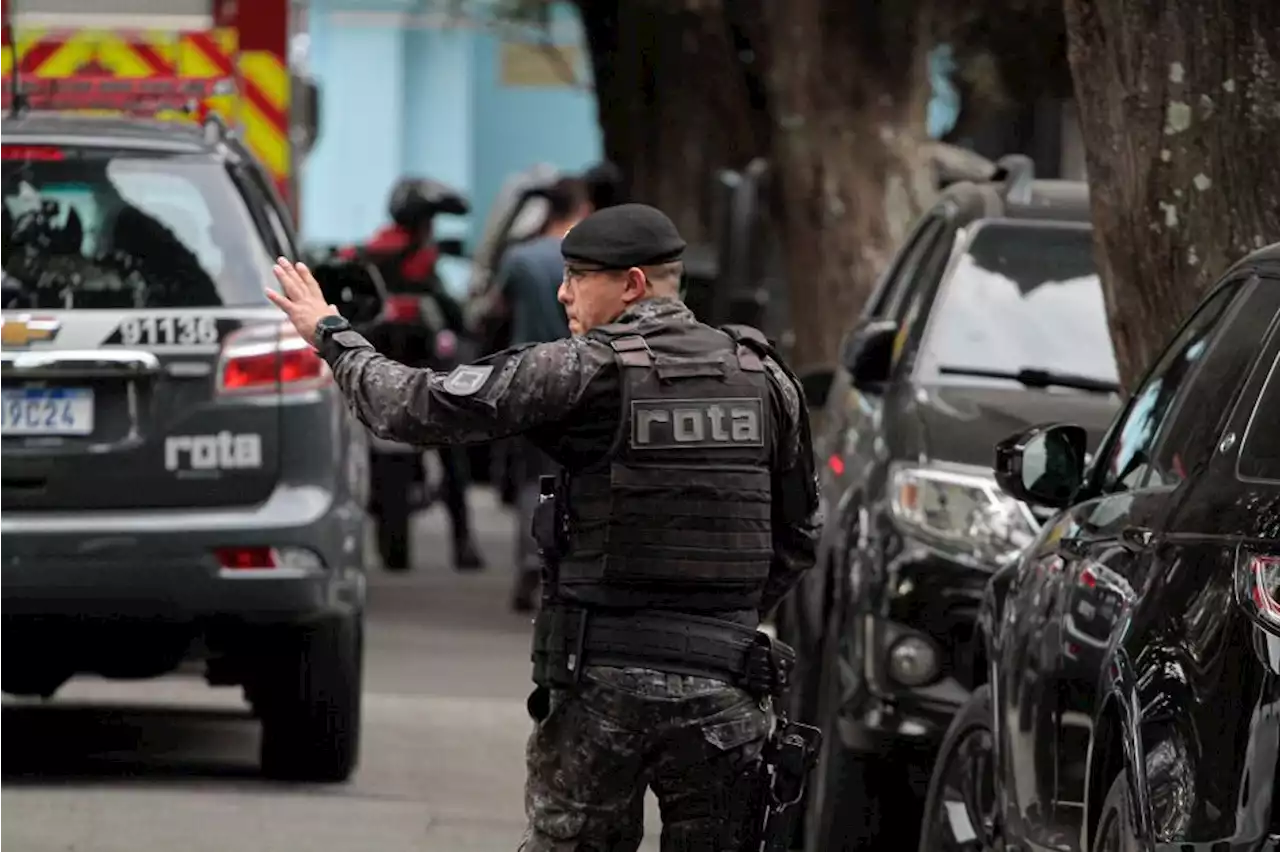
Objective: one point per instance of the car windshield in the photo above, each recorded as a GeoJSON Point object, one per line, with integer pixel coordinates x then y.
{"type": "Point", "coordinates": [92, 228]}
{"type": "Point", "coordinates": [1023, 303]}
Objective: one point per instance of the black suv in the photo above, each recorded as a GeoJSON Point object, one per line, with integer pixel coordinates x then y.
{"type": "Point", "coordinates": [181, 479]}
{"type": "Point", "coordinates": [991, 317]}
{"type": "Point", "coordinates": [1131, 657]}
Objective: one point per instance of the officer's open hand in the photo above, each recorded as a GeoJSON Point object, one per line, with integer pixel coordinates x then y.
{"type": "Point", "coordinates": [301, 298]}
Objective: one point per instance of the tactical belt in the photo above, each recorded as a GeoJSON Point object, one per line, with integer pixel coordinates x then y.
{"type": "Point", "coordinates": [568, 639]}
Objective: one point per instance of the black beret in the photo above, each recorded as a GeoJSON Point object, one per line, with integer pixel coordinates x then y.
{"type": "Point", "coordinates": [624, 236]}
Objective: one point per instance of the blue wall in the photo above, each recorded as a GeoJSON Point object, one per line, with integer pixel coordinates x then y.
{"type": "Point", "coordinates": [360, 149]}
{"type": "Point", "coordinates": [403, 93]}
{"type": "Point", "coordinates": [518, 127]}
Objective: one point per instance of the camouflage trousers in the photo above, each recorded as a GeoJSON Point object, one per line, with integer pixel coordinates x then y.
{"type": "Point", "coordinates": [622, 731]}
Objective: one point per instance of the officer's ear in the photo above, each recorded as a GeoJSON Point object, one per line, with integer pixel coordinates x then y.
{"type": "Point", "coordinates": [635, 284]}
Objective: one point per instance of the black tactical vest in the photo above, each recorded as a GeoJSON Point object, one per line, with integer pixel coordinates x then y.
{"type": "Point", "coordinates": [677, 515]}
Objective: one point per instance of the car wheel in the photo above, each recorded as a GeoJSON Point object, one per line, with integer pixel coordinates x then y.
{"type": "Point", "coordinates": [960, 811]}
{"type": "Point", "coordinates": [1116, 831]}
{"type": "Point", "coordinates": [310, 702]}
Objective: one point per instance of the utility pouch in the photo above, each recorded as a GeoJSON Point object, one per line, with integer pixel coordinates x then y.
{"type": "Point", "coordinates": [550, 520]}
{"type": "Point", "coordinates": [558, 634]}
{"type": "Point", "coordinates": [769, 663]}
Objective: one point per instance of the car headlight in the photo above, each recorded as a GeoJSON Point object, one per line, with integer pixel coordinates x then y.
{"type": "Point", "coordinates": [913, 661]}
{"type": "Point", "coordinates": [965, 513]}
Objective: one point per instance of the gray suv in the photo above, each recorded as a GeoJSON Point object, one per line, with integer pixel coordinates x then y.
{"type": "Point", "coordinates": [181, 481]}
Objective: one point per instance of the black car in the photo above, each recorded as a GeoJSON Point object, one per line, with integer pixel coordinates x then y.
{"type": "Point", "coordinates": [1131, 658]}
{"type": "Point", "coordinates": [990, 318]}
{"type": "Point", "coordinates": [182, 481]}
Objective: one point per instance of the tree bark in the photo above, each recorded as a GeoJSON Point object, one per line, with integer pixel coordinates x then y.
{"type": "Point", "coordinates": [848, 91]}
{"type": "Point", "coordinates": [672, 104]}
{"type": "Point", "coordinates": [1180, 111]}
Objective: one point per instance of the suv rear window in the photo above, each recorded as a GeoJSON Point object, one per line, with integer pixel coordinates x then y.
{"type": "Point", "coordinates": [92, 228]}
{"type": "Point", "coordinates": [1022, 297]}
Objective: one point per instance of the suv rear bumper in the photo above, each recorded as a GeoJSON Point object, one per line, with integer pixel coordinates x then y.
{"type": "Point", "coordinates": [162, 565]}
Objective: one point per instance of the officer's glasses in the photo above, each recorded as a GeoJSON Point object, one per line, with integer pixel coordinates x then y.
{"type": "Point", "coordinates": [574, 274]}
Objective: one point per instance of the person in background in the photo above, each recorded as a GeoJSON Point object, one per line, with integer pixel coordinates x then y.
{"type": "Point", "coordinates": [406, 255]}
{"type": "Point", "coordinates": [605, 184]}
{"type": "Point", "coordinates": [529, 279]}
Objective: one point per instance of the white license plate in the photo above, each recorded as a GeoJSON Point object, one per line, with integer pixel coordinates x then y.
{"type": "Point", "coordinates": [47, 411]}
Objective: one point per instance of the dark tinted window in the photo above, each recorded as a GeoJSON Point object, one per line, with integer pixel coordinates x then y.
{"type": "Point", "coordinates": [1128, 458]}
{"type": "Point", "coordinates": [1260, 452]}
{"type": "Point", "coordinates": [1022, 297]}
{"type": "Point", "coordinates": [889, 302]}
{"type": "Point", "coordinates": [96, 228]}
{"type": "Point", "coordinates": [1191, 430]}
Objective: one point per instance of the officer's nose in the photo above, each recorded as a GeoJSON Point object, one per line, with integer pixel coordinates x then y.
{"type": "Point", "coordinates": [562, 294]}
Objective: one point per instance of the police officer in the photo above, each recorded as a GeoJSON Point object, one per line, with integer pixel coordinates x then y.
{"type": "Point", "coordinates": [686, 510]}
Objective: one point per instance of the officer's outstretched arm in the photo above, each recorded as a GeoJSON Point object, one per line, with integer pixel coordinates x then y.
{"type": "Point", "coordinates": [505, 394]}
{"type": "Point", "coordinates": [796, 513]}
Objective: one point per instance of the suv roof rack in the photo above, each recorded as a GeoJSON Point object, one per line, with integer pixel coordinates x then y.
{"type": "Point", "coordinates": [1016, 172]}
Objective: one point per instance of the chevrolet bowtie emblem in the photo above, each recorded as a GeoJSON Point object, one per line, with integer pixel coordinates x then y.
{"type": "Point", "coordinates": [27, 329]}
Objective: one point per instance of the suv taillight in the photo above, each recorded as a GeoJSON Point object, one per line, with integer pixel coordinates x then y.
{"type": "Point", "coordinates": [269, 359]}
{"type": "Point", "coordinates": [1259, 585]}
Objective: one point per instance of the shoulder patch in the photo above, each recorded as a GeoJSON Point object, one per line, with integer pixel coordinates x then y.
{"type": "Point", "coordinates": [467, 379]}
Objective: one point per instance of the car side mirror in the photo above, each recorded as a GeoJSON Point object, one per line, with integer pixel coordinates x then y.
{"type": "Point", "coordinates": [867, 353]}
{"type": "Point", "coordinates": [354, 287]}
{"type": "Point", "coordinates": [451, 247]}
{"type": "Point", "coordinates": [1043, 465]}
{"type": "Point", "coordinates": [816, 384]}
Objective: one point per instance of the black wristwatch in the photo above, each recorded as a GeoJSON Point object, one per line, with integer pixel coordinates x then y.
{"type": "Point", "coordinates": [328, 326]}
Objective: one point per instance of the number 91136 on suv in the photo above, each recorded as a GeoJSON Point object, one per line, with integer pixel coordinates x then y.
{"type": "Point", "coordinates": [181, 482]}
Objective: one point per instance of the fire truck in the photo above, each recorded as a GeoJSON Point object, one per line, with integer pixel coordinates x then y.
{"type": "Point", "coordinates": [187, 57]}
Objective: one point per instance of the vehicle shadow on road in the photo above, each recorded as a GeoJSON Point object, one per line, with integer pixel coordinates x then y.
{"type": "Point", "coordinates": [53, 743]}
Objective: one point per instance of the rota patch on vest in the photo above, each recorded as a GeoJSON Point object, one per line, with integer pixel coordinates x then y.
{"type": "Point", "coordinates": [668, 424]}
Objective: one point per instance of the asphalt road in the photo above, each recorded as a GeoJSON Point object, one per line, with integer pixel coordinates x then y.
{"type": "Point", "coordinates": [171, 765]}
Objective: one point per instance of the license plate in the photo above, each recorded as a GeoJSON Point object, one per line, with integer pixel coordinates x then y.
{"type": "Point", "coordinates": [47, 411]}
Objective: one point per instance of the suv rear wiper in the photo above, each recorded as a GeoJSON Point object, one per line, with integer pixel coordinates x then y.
{"type": "Point", "coordinates": [1033, 378]}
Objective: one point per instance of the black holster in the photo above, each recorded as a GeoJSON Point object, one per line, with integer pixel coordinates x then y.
{"type": "Point", "coordinates": [768, 805]}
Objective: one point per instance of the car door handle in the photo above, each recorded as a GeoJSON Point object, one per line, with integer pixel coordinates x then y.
{"type": "Point", "coordinates": [1136, 538]}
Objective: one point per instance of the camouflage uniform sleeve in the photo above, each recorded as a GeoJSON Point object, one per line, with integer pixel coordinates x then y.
{"type": "Point", "coordinates": [505, 394]}
{"type": "Point", "coordinates": [796, 514]}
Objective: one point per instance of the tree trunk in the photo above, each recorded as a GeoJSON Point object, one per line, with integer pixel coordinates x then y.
{"type": "Point", "coordinates": [1179, 110]}
{"type": "Point", "coordinates": [672, 104]}
{"type": "Point", "coordinates": [848, 97]}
